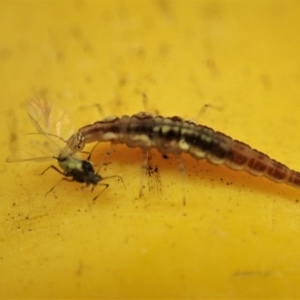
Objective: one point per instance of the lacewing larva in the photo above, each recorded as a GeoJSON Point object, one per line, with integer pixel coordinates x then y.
{"type": "Point", "coordinates": [174, 135]}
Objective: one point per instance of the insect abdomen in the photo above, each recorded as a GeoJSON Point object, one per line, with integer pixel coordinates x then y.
{"type": "Point", "coordinates": [240, 156]}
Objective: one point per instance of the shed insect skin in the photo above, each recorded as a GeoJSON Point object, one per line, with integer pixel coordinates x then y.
{"type": "Point", "coordinates": [174, 135]}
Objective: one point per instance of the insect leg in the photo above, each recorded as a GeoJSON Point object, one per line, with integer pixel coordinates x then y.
{"type": "Point", "coordinates": [144, 168]}
{"type": "Point", "coordinates": [203, 109]}
{"type": "Point", "coordinates": [181, 169]}
{"type": "Point", "coordinates": [97, 105]}
{"type": "Point", "coordinates": [54, 168]}
{"type": "Point", "coordinates": [91, 152]}
{"type": "Point", "coordinates": [62, 179]}
{"type": "Point", "coordinates": [146, 105]}
{"type": "Point", "coordinates": [106, 185]}
{"type": "Point", "coordinates": [108, 154]}
{"type": "Point", "coordinates": [113, 176]}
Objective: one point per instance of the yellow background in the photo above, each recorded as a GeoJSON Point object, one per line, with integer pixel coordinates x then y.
{"type": "Point", "coordinates": [238, 236]}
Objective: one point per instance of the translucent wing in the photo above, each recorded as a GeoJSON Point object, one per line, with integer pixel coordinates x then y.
{"type": "Point", "coordinates": [38, 149]}
{"type": "Point", "coordinates": [49, 119]}
{"type": "Point", "coordinates": [53, 126]}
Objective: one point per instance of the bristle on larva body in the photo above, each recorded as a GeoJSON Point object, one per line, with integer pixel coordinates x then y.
{"type": "Point", "coordinates": [173, 135]}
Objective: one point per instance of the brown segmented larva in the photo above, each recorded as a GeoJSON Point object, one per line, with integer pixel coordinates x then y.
{"type": "Point", "coordinates": [173, 135]}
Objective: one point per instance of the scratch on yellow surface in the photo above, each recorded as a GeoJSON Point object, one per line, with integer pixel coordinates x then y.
{"type": "Point", "coordinates": [238, 235]}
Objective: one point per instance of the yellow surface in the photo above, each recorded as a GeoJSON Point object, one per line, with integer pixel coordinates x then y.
{"type": "Point", "coordinates": [238, 235]}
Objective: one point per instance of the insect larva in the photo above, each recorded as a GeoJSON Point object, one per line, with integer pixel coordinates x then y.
{"type": "Point", "coordinates": [173, 135]}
